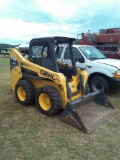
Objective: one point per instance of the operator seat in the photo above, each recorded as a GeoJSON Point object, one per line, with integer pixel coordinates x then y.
{"type": "Point", "coordinates": [47, 63]}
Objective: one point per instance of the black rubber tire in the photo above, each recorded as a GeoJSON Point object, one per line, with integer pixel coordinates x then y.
{"type": "Point", "coordinates": [29, 90]}
{"type": "Point", "coordinates": [99, 83]}
{"type": "Point", "coordinates": [55, 100]}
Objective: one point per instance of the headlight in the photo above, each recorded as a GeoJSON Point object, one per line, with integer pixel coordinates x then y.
{"type": "Point", "coordinates": [117, 74]}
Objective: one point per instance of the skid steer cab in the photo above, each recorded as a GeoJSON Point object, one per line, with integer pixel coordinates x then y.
{"type": "Point", "coordinates": [56, 85]}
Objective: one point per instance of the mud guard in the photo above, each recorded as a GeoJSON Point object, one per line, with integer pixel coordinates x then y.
{"type": "Point", "coordinates": [87, 112]}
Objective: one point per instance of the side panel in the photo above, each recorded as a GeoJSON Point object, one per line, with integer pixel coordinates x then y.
{"type": "Point", "coordinates": [15, 75]}
{"type": "Point", "coordinates": [15, 70]}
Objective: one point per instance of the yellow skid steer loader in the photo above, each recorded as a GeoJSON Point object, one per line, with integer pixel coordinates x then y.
{"type": "Point", "coordinates": [41, 78]}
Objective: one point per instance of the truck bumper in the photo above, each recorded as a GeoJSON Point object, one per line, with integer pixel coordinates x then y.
{"type": "Point", "coordinates": [115, 81]}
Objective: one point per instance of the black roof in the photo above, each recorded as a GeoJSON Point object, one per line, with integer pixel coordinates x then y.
{"type": "Point", "coordinates": [59, 39]}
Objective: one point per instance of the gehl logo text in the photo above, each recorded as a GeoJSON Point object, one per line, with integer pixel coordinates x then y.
{"type": "Point", "coordinates": [49, 75]}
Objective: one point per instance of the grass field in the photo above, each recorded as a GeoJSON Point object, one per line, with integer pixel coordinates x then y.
{"type": "Point", "coordinates": [26, 134]}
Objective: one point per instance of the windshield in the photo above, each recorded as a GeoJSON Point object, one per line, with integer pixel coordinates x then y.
{"type": "Point", "coordinates": [92, 53]}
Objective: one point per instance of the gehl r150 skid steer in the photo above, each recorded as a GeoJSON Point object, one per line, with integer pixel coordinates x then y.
{"type": "Point", "coordinates": [53, 86]}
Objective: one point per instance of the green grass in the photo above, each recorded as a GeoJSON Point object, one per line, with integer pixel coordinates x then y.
{"type": "Point", "coordinates": [26, 134]}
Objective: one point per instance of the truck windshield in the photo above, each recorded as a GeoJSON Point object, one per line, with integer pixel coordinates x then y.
{"type": "Point", "coordinates": [91, 53]}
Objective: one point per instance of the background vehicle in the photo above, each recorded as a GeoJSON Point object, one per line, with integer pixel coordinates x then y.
{"type": "Point", "coordinates": [5, 48]}
{"type": "Point", "coordinates": [103, 72]}
{"type": "Point", "coordinates": [107, 41]}
{"type": "Point", "coordinates": [55, 86]}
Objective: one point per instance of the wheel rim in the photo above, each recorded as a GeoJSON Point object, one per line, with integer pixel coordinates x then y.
{"type": "Point", "coordinates": [98, 86]}
{"type": "Point", "coordinates": [21, 93]}
{"type": "Point", "coordinates": [44, 101]}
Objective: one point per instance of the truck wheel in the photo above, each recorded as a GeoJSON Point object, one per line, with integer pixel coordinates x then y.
{"type": "Point", "coordinates": [99, 83]}
{"type": "Point", "coordinates": [48, 100]}
{"type": "Point", "coordinates": [25, 92]}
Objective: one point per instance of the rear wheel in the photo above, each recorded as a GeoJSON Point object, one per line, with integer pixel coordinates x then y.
{"type": "Point", "coordinates": [25, 92]}
{"type": "Point", "coordinates": [99, 83]}
{"type": "Point", "coordinates": [48, 100]}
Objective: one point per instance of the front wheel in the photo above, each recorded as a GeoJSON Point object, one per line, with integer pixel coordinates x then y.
{"type": "Point", "coordinates": [99, 83]}
{"type": "Point", "coordinates": [48, 100]}
{"type": "Point", "coordinates": [25, 92]}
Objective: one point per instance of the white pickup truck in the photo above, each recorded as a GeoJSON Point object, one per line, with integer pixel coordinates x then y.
{"type": "Point", "coordinates": [103, 72]}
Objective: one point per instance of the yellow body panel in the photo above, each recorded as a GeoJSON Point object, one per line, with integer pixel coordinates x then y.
{"type": "Point", "coordinates": [15, 75]}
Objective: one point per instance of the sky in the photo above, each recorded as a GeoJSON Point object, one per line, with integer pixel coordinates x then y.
{"type": "Point", "coordinates": [22, 20]}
